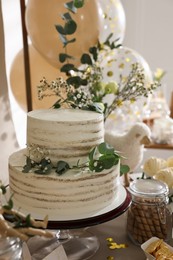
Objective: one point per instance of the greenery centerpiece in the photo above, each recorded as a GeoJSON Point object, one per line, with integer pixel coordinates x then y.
{"type": "Point", "coordinates": [84, 88]}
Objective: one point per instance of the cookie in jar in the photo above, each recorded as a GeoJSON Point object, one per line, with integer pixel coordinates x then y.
{"type": "Point", "coordinates": [149, 214]}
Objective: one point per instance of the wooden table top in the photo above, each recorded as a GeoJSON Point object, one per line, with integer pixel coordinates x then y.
{"type": "Point", "coordinates": [159, 146]}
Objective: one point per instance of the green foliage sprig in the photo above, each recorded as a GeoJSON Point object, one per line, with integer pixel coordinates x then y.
{"type": "Point", "coordinates": [104, 157]}
{"type": "Point", "coordinates": [69, 28]}
{"type": "Point", "coordinates": [9, 205]}
{"type": "Point", "coordinates": [15, 220]}
{"type": "Point", "coordinates": [90, 72]}
{"type": "Point", "coordinates": [42, 167]}
{"type": "Point", "coordinates": [101, 157]}
{"type": "Point", "coordinates": [3, 188]}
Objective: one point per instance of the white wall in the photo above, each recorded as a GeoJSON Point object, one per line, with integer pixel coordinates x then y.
{"type": "Point", "coordinates": [149, 32]}
{"type": "Point", "coordinates": [13, 44]}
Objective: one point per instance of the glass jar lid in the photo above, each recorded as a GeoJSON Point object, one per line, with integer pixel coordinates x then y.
{"type": "Point", "coordinates": [149, 188]}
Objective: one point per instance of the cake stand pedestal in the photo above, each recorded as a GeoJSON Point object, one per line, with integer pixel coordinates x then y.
{"type": "Point", "coordinates": [78, 242]}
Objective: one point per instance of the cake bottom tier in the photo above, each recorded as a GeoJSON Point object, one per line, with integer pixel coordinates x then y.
{"type": "Point", "coordinates": [74, 193]}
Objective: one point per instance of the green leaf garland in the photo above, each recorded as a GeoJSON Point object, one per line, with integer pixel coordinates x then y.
{"type": "Point", "coordinates": [79, 3]}
{"type": "Point", "coordinates": [102, 157]}
{"type": "Point", "coordinates": [62, 167]}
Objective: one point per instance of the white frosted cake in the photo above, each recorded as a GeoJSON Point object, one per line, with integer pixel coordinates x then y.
{"type": "Point", "coordinates": [68, 135]}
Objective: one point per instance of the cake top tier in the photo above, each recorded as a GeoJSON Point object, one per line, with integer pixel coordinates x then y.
{"type": "Point", "coordinates": [65, 115]}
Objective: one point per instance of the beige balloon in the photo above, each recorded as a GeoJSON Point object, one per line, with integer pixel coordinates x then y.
{"type": "Point", "coordinates": [43, 15]}
{"type": "Point", "coordinates": [39, 68]}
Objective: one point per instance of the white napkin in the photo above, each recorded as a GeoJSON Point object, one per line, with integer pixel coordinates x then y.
{"type": "Point", "coordinates": [40, 248]}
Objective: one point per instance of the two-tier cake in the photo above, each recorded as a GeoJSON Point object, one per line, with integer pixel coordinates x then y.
{"type": "Point", "coordinates": [62, 135]}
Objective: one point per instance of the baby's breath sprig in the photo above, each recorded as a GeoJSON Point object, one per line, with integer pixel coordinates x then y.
{"type": "Point", "coordinates": [131, 88]}
{"type": "Point", "coordinates": [91, 97]}
{"type": "Point", "coordinates": [57, 87]}
{"type": "Point", "coordinates": [68, 96]}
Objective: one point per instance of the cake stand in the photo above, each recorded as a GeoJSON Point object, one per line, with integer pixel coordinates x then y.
{"type": "Point", "coordinates": [78, 242]}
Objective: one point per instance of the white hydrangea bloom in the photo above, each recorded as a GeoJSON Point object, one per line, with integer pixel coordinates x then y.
{"type": "Point", "coordinates": [153, 165]}
{"type": "Point", "coordinates": [165, 175]}
{"type": "Point", "coordinates": [170, 162]}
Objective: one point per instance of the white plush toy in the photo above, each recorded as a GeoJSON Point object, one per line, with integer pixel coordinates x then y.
{"type": "Point", "coordinates": [130, 144]}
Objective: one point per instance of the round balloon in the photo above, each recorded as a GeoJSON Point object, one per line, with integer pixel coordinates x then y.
{"type": "Point", "coordinates": [117, 64]}
{"type": "Point", "coordinates": [113, 20]}
{"type": "Point", "coordinates": [43, 15]}
{"type": "Point", "coordinates": [39, 68]}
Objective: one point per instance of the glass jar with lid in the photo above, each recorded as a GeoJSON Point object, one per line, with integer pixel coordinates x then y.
{"type": "Point", "coordinates": [10, 248]}
{"type": "Point", "coordinates": [149, 215]}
